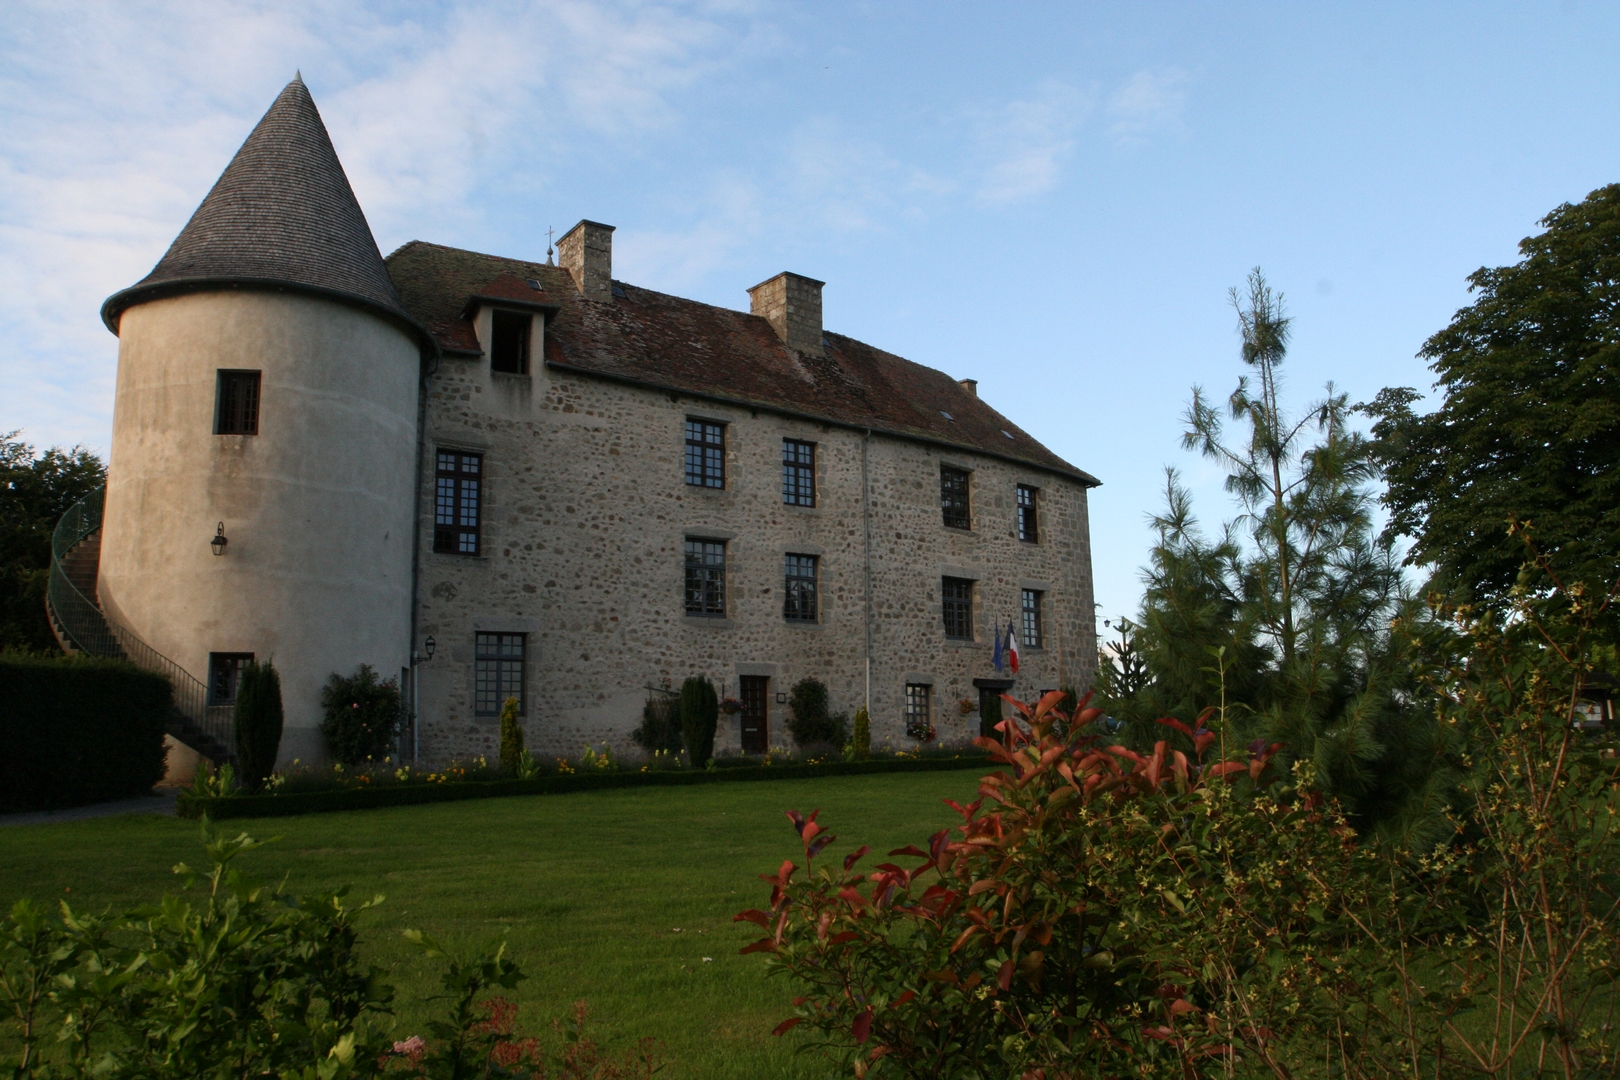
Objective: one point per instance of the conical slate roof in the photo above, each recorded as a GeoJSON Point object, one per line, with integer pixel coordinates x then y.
{"type": "Point", "coordinates": [281, 215]}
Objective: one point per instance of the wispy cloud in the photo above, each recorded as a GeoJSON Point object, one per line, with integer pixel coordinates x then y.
{"type": "Point", "coordinates": [1027, 141]}
{"type": "Point", "coordinates": [110, 144]}
{"type": "Point", "coordinates": [1149, 103]}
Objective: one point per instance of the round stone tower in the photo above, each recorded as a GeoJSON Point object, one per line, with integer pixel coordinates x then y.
{"type": "Point", "coordinates": [268, 391]}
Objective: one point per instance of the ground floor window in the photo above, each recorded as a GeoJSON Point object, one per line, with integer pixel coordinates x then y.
{"type": "Point", "coordinates": [224, 674]}
{"type": "Point", "coordinates": [498, 672]}
{"type": "Point", "coordinates": [919, 711]}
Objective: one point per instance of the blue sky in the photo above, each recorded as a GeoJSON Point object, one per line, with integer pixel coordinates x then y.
{"type": "Point", "coordinates": [1051, 198]}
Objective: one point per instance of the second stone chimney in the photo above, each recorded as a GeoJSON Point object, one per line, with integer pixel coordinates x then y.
{"type": "Point", "coordinates": [586, 252]}
{"type": "Point", "coordinates": [791, 303]}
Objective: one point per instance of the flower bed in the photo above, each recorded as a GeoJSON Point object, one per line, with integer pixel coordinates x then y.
{"type": "Point", "coordinates": [282, 804]}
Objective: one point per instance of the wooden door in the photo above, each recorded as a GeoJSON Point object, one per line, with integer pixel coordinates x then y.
{"type": "Point", "coordinates": [756, 737]}
{"type": "Point", "coordinates": [990, 711]}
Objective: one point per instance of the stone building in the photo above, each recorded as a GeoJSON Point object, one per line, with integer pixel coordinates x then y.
{"type": "Point", "coordinates": [579, 490]}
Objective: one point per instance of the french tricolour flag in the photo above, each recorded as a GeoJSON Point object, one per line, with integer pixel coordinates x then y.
{"type": "Point", "coordinates": [1012, 648]}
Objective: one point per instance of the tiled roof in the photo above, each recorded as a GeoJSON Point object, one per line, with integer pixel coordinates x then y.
{"type": "Point", "coordinates": [282, 214]}
{"type": "Point", "coordinates": [663, 341]}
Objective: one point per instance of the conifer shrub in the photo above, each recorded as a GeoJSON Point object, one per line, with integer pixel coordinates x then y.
{"type": "Point", "coordinates": [258, 723]}
{"type": "Point", "coordinates": [511, 736]}
{"type": "Point", "coordinates": [700, 718]}
{"type": "Point", "coordinates": [811, 725]}
{"type": "Point", "coordinates": [363, 716]}
{"type": "Point", "coordinates": [861, 740]}
{"type": "Point", "coordinates": [660, 729]}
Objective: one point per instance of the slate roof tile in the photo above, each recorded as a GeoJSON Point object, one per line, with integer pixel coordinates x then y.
{"type": "Point", "coordinates": [667, 342]}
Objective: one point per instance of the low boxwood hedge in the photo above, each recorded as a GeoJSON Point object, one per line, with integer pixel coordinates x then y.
{"type": "Point", "coordinates": [77, 731]}
{"type": "Point", "coordinates": [316, 802]}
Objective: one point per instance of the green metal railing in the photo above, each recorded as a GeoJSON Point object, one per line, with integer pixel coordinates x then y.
{"type": "Point", "coordinates": [87, 628]}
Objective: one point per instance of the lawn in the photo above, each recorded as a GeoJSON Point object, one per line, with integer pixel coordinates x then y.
{"type": "Point", "coordinates": [623, 898]}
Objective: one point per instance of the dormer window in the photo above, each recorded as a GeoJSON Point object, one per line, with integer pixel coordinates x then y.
{"type": "Point", "coordinates": [509, 341]}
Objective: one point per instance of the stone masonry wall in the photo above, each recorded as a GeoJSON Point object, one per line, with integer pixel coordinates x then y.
{"type": "Point", "coordinates": [585, 515]}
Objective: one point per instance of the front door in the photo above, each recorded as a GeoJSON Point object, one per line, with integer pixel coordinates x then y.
{"type": "Point", "coordinates": [989, 711]}
{"type": "Point", "coordinates": [755, 735]}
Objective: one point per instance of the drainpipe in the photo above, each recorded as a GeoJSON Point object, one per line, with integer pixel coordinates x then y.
{"type": "Point", "coordinates": [416, 554]}
{"type": "Point", "coordinates": [866, 510]}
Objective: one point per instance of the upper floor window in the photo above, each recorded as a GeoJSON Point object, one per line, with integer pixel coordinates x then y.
{"type": "Point", "coordinates": [498, 661]}
{"type": "Point", "coordinates": [457, 499]}
{"type": "Point", "coordinates": [705, 454]}
{"type": "Point", "coordinates": [509, 341]}
{"type": "Point", "coordinates": [236, 403]}
{"type": "Point", "coordinates": [706, 577]}
{"type": "Point", "coordinates": [800, 591]}
{"type": "Point", "coordinates": [953, 497]}
{"type": "Point", "coordinates": [798, 473]}
{"type": "Point", "coordinates": [957, 594]}
{"type": "Point", "coordinates": [224, 675]}
{"type": "Point", "coordinates": [1028, 525]}
{"type": "Point", "coordinates": [1031, 636]}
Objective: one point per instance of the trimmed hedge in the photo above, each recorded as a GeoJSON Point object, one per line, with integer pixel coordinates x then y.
{"type": "Point", "coordinates": [76, 731]}
{"type": "Point", "coordinates": [317, 802]}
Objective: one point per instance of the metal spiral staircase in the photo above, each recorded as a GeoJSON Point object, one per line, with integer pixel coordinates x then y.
{"type": "Point", "coordinates": [82, 627]}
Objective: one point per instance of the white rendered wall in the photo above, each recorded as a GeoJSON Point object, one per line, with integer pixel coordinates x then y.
{"type": "Point", "coordinates": [317, 506]}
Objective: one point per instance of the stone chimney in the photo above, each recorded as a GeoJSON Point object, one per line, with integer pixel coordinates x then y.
{"type": "Point", "coordinates": [791, 303]}
{"type": "Point", "coordinates": [586, 252]}
{"type": "Point", "coordinates": [970, 385]}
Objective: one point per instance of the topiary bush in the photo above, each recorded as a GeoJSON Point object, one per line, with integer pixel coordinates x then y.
{"type": "Point", "coordinates": [258, 723]}
{"type": "Point", "coordinates": [700, 717]}
{"type": "Point", "coordinates": [77, 731]}
{"type": "Point", "coordinates": [811, 725]}
{"type": "Point", "coordinates": [511, 736]}
{"type": "Point", "coordinates": [660, 729]}
{"type": "Point", "coordinates": [363, 716]}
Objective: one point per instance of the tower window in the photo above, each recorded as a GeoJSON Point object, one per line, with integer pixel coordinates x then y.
{"type": "Point", "coordinates": [457, 500]}
{"type": "Point", "coordinates": [706, 577]}
{"type": "Point", "coordinates": [224, 674]}
{"type": "Point", "coordinates": [1032, 618]}
{"type": "Point", "coordinates": [498, 672]}
{"type": "Point", "coordinates": [705, 454]}
{"type": "Point", "coordinates": [800, 591]}
{"type": "Point", "coordinates": [509, 342]}
{"type": "Point", "coordinates": [236, 403]}
{"type": "Point", "coordinates": [798, 473]}
{"type": "Point", "coordinates": [957, 594]}
{"type": "Point", "coordinates": [1028, 526]}
{"type": "Point", "coordinates": [953, 498]}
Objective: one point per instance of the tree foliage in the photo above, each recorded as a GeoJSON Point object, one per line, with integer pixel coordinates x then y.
{"type": "Point", "coordinates": [1528, 429]}
{"type": "Point", "coordinates": [1284, 617]}
{"type": "Point", "coordinates": [364, 716]}
{"type": "Point", "coordinates": [36, 489]}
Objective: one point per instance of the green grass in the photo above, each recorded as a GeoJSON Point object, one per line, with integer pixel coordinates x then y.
{"type": "Point", "coordinates": [589, 889]}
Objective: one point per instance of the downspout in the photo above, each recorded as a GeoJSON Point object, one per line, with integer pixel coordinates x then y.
{"type": "Point", "coordinates": [416, 553]}
{"type": "Point", "coordinates": [866, 511]}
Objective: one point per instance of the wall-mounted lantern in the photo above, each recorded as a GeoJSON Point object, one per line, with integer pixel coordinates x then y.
{"type": "Point", "coordinates": [429, 645]}
{"type": "Point", "coordinates": [218, 542]}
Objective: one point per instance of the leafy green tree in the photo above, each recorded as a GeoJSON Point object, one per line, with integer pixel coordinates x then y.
{"type": "Point", "coordinates": [1284, 617]}
{"type": "Point", "coordinates": [1529, 426]}
{"type": "Point", "coordinates": [36, 489]}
